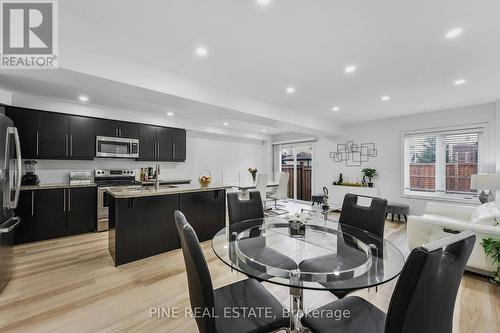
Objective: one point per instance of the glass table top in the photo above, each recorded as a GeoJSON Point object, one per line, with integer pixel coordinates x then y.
{"type": "Point", "coordinates": [319, 254]}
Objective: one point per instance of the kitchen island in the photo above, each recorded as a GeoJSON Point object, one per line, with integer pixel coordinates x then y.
{"type": "Point", "coordinates": [141, 221]}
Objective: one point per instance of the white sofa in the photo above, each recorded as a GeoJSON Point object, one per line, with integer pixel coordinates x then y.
{"type": "Point", "coordinates": [439, 218]}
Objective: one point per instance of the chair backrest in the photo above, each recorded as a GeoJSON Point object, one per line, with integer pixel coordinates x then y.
{"type": "Point", "coordinates": [282, 190]}
{"type": "Point", "coordinates": [261, 185]}
{"type": "Point", "coordinates": [424, 297]}
{"type": "Point", "coordinates": [241, 210]}
{"type": "Point", "coordinates": [371, 219]}
{"type": "Point", "coordinates": [201, 293]}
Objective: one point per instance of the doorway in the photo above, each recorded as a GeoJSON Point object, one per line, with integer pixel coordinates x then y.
{"type": "Point", "coordinates": [296, 160]}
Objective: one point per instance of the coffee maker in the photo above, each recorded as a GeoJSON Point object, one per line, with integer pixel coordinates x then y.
{"type": "Point", "coordinates": [30, 178]}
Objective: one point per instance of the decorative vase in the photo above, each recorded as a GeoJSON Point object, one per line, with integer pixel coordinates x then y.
{"type": "Point", "coordinates": [254, 177]}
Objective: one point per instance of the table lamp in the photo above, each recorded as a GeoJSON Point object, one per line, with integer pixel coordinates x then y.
{"type": "Point", "coordinates": [485, 182]}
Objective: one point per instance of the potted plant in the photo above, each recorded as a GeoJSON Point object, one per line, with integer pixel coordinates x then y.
{"type": "Point", "coordinates": [492, 249]}
{"type": "Point", "coordinates": [369, 173]}
{"type": "Point", "coordinates": [253, 172]}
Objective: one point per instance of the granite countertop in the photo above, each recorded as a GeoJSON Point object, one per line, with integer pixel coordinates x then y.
{"type": "Point", "coordinates": [167, 181]}
{"type": "Point", "coordinates": [125, 193]}
{"type": "Point", "coordinates": [53, 186]}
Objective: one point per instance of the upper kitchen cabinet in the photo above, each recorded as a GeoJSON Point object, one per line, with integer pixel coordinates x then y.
{"type": "Point", "coordinates": [178, 136]}
{"type": "Point", "coordinates": [50, 135]}
{"type": "Point", "coordinates": [162, 144]}
{"type": "Point", "coordinates": [82, 138]}
{"type": "Point", "coordinates": [26, 121]}
{"type": "Point", "coordinates": [148, 143]}
{"type": "Point", "coordinates": [119, 129]}
{"type": "Point", "coordinates": [53, 136]}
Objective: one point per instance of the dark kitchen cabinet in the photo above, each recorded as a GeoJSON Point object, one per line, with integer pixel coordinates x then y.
{"type": "Point", "coordinates": [25, 231]}
{"type": "Point", "coordinates": [164, 144]}
{"type": "Point", "coordinates": [81, 210]}
{"type": "Point", "coordinates": [205, 211]}
{"type": "Point", "coordinates": [142, 227]}
{"type": "Point", "coordinates": [115, 128]}
{"type": "Point", "coordinates": [49, 135]}
{"type": "Point", "coordinates": [50, 213]}
{"type": "Point", "coordinates": [148, 142]}
{"type": "Point", "coordinates": [178, 136]}
{"type": "Point", "coordinates": [26, 122]}
{"type": "Point", "coordinates": [82, 137]}
{"type": "Point", "coordinates": [53, 135]}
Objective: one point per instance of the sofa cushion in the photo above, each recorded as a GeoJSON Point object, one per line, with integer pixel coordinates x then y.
{"type": "Point", "coordinates": [488, 214]}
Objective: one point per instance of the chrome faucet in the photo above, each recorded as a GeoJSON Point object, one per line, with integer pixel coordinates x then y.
{"type": "Point", "coordinates": [157, 182]}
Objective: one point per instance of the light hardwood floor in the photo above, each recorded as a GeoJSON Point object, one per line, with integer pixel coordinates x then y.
{"type": "Point", "coordinates": [71, 285]}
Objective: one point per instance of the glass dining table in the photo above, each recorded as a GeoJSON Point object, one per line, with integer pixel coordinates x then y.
{"type": "Point", "coordinates": [318, 255]}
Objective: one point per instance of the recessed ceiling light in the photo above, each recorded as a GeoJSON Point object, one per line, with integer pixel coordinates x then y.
{"type": "Point", "coordinates": [83, 98]}
{"type": "Point", "coordinates": [335, 108]}
{"type": "Point", "coordinates": [385, 98]}
{"type": "Point", "coordinates": [459, 82]}
{"type": "Point", "coordinates": [226, 124]}
{"type": "Point", "coordinates": [453, 33]}
{"type": "Point", "coordinates": [263, 2]}
{"type": "Point", "coordinates": [170, 114]}
{"type": "Point", "coordinates": [201, 51]}
{"type": "Point", "coordinates": [290, 90]}
{"type": "Point", "coordinates": [264, 130]}
{"type": "Point", "coordinates": [350, 68]}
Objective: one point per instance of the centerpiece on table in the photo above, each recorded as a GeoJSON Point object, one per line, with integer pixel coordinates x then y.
{"type": "Point", "coordinates": [297, 224]}
{"type": "Point", "coordinates": [253, 172]}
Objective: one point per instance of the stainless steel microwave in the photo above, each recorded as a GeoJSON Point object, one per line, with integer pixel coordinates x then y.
{"type": "Point", "coordinates": [116, 147]}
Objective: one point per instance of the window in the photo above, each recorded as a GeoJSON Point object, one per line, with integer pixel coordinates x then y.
{"type": "Point", "coordinates": [440, 164]}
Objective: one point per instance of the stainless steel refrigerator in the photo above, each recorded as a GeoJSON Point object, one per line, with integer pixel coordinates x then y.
{"type": "Point", "coordinates": [10, 185]}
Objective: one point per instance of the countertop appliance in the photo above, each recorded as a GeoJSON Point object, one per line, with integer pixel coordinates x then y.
{"type": "Point", "coordinates": [107, 179]}
{"type": "Point", "coordinates": [116, 147]}
{"type": "Point", "coordinates": [10, 180]}
{"type": "Point", "coordinates": [30, 177]}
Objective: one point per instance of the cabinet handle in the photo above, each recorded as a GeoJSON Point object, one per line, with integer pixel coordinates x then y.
{"type": "Point", "coordinates": [158, 148]}
{"type": "Point", "coordinates": [64, 200]}
{"type": "Point", "coordinates": [37, 143]}
{"type": "Point", "coordinates": [120, 132]}
{"type": "Point", "coordinates": [69, 200]}
{"type": "Point", "coordinates": [66, 143]}
{"type": "Point", "coordinates": [32, 203]}
{"type": "Point", "coordinates": [173, 150]}
{"type": "Point", "coordinates": [154, 149]}
{"type": "Point", "coordinates": [71, 144]}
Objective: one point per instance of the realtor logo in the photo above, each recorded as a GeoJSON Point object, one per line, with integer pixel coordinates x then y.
{"type": "Point", "coordinates": [29, 37]}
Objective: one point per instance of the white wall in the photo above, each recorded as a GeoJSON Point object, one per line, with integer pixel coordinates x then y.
{"type": "Point", "coordinates": [227, 158]}
{"type": "Point", "coordinates": [5, 97]}
{"type": "Point", "coordinates": [386, 134]}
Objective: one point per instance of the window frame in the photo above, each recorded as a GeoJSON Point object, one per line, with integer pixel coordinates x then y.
{"type": "Point", "coordinates": [440, 176]}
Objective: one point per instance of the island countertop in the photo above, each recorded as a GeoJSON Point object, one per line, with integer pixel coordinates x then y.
{"type": "Point", "coordinates": [126, 193]}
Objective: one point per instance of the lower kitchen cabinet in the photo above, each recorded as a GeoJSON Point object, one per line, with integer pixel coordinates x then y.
{"type": "Point", "coordinates": [25, 231]}
{"type": "Point", "coordinates": [81, 210]}
{"type": "Point", "coordinates": [205, 211]}
{"type": "Point", "coordinates": [52, 213]}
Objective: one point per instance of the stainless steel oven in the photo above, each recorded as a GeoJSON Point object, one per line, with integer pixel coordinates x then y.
{"type": "Point", "coordinates": [106, 179]}
{"type": "Point", "coordinates": [116, 147]}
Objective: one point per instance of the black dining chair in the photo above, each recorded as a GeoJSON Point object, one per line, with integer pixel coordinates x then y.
{"type": "Point", "coordinates": [246, 209]}
{"type": "Point", "coordinates": [238, 297]}
{"type": "Point", "coordinates": [242, 210]}
{"type": "Point", "coordinates": [370, 218]}
{"type": "Point", "coordinates": [422, 302]}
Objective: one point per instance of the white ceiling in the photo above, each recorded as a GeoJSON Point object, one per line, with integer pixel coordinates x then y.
{"type": "Point", "coordinates": [255, 51]}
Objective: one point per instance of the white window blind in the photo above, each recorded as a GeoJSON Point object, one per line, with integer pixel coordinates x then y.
{"type": "Point", "coordinates": [440, 164]}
